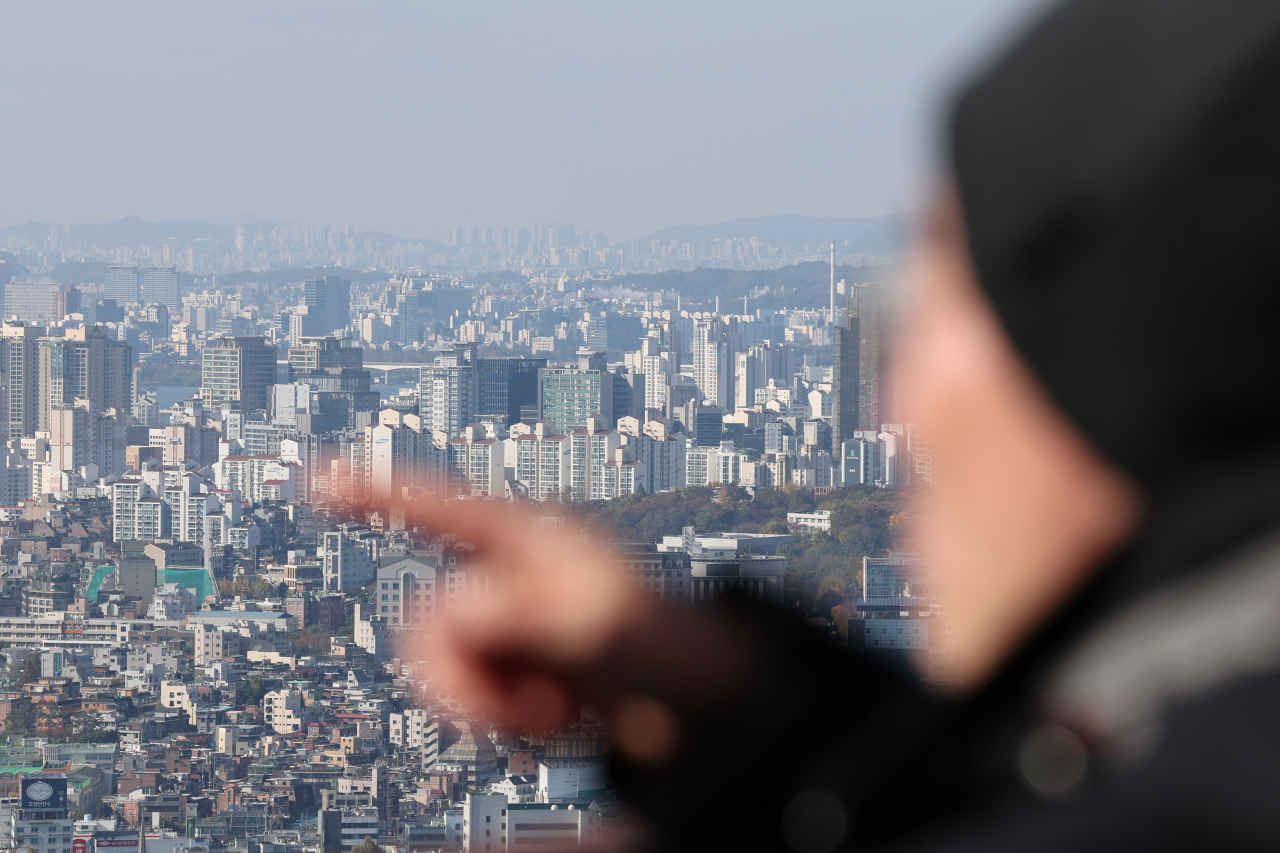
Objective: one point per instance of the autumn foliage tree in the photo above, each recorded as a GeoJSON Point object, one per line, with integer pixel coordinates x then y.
{"type": "Point", "coordinates": [30, 671]}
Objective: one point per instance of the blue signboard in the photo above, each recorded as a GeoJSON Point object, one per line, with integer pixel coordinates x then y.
{"type": "Point", "coordinates": [45, 793]}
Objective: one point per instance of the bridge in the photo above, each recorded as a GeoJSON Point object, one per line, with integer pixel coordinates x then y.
{"type": "Point", "coordinates": [393, 367]}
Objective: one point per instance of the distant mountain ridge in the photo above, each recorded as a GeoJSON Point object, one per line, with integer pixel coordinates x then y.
{"type": "Point", "coordinates": [805, 285]}
{"type": "Point", "coordinates": [875, 235]}
{"type": "Point", "coordinates": [129, 231]}
{"type": "Point", "coordinates": [135, 231]}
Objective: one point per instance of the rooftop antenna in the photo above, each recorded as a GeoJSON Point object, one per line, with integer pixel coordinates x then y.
{"type": "Point", "coordinates": [832, 317]}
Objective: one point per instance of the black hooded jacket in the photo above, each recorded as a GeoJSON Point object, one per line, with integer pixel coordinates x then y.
{"type": "Point", "coordinates": [1119, 177]}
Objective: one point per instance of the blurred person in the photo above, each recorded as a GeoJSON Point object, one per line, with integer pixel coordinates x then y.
{"type": "Point", "coordinates": [1094, 331]}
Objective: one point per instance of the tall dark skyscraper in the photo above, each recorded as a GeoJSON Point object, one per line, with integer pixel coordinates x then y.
{"type": "Point", "coordinates": [844, 384]}
{"type": "Point", "coordinates": [858, 384]}
{"type": "Point", "coordinates": [330, 297]}
{"type": "Point", "coordinates": [865, 306]}
{"type": "Point", "coordinates": [507, 385]}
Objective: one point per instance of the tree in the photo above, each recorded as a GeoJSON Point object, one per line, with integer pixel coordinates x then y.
{"type": "Point", "coordinates": [21, 719]}
{"type": "Point", "coordinates": [901, 528]}
{"type": "Point", "coordinates": [841, 614]}
{"type": "Point", "coordinates": [253, 691]}
{"type": "Point", "coordinates": [30, 671]}
{"type": "Point", "coordinates": [367, 846]}
{"type": "Point", "coordinates": [312, 641]}
{"type": "Point", "coordinates": [256, 588]}
{"type": "Point", "coordinates": [54, 722]}
{"type": "Point", "coordinates": [86, 724]}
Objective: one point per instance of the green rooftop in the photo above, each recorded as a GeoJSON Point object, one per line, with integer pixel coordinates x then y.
{"type": "Point", "coordinates": [198, 579]}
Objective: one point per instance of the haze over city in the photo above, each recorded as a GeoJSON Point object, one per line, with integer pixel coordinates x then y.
{"type": "Point", "coordinates": [413, 120]}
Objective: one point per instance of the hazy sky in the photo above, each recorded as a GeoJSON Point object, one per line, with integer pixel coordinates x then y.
{"type": "Point", "coordinates": [412, 118]}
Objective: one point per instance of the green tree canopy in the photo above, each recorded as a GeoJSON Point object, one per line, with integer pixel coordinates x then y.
{"type": "Point", "coordinates": [88, 727]}
{"type": "Point", "coordinates": [21, 720]}
{"type": "Point", "coordinates": [253, 691]}
{"type": "Point", "coordinates": [246, 587]}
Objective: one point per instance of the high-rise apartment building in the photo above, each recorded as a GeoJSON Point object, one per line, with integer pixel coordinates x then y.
{"type": "Point", "coordinates": [137, 511]}
{"type": "Point", "coordinates": [542, 461]}
{"type": "Point", "coordinates": [448, 391]}
{"type": "Point", "coordinates": [160, 287]}
{"type": "Point", "coordinates": [399, 456]}
{"type": "Point", "coordinates": [330, 297]}
{"type": "Point", "coordinates": [20, 374]}
{"type": "Point", "coordinates": [238, 372]}
{"type": "Point", "coordinates": [121, 283]}
{"type": "Point", "coordinates": [663, 454]}
{"type": "Point", "coordinates": [475, 462]}
{"type": "Point", "coordinates": [749, 373]}
{"type": "Point", "coordinates": [590, 449]}
{"type": "Point", "coordinates": [85, 364]}
{"type": "Point", "coordinates": [713, 352]}
{"type": "Point", "coordinates": [656, 362]}
{"type": "Point", "coordinates": [69, 438]}
{"type": "Point", "coordinates": [568, 396]}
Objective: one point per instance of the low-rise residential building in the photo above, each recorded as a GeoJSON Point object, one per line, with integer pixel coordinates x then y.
{"type": "Point", "coordinates": [815, 520]}
{"type": "Point", "coordinates": [285, 711]}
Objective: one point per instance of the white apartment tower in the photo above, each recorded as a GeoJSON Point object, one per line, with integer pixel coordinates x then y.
{"type": "Point", "coordinates": [713, 350]}
{"type": "Point", "coordinates": [448, 391]}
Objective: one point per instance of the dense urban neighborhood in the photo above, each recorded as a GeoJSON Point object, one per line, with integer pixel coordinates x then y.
{"type": "Point", "coordinates": [216, 592]}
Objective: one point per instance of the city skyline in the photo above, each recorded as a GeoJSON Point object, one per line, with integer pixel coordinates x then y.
{"type": "Point", "coordinates": [194, 246]}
